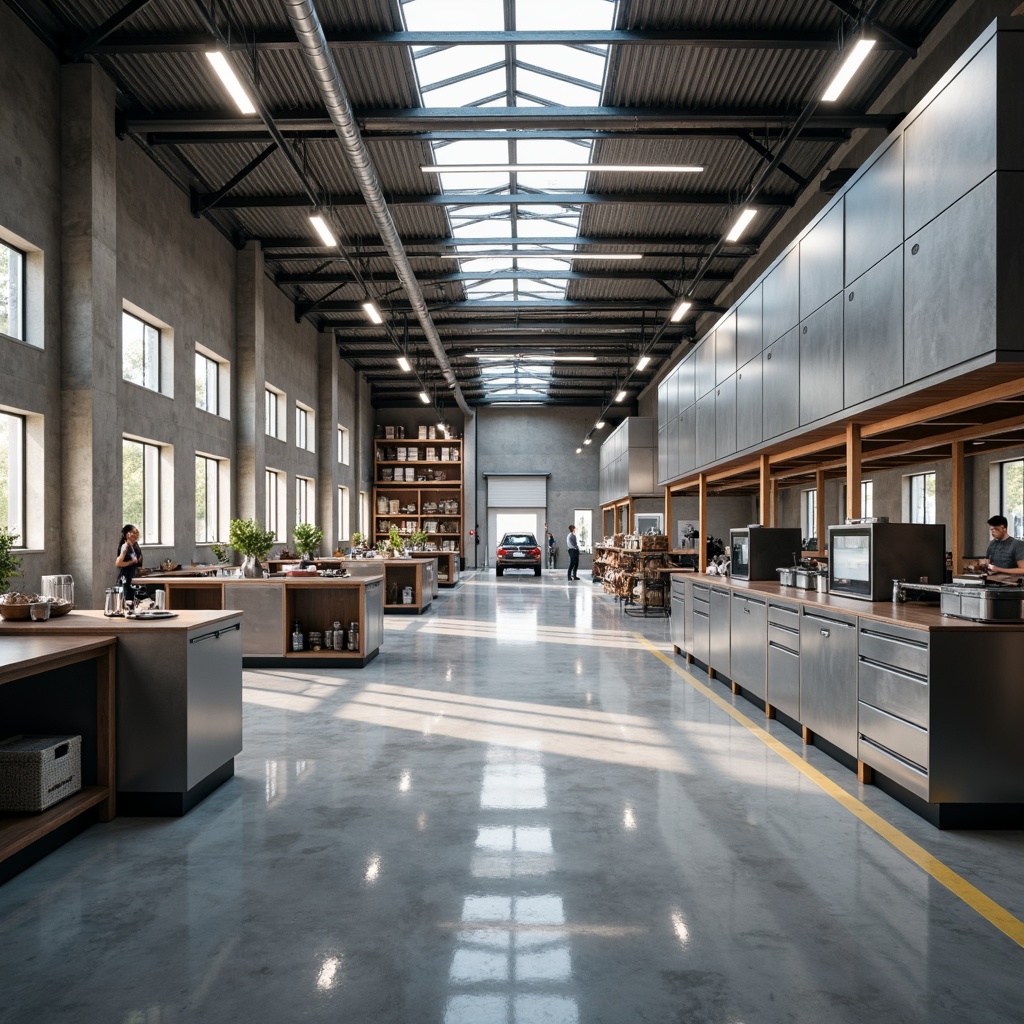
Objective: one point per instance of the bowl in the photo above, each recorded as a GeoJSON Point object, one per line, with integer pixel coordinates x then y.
{"type": "Point", "coordinates": [15, 611]}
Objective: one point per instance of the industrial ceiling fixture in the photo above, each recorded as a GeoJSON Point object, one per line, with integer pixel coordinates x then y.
{"type": "Point", "coordinates": [857, 55]}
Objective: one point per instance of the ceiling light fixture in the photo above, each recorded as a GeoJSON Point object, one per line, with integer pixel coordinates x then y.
{"type": "Point", "coordinates": [372, 313]}
{"type": "Point", "coordinates": [403, 364]}
{"type": "Point", "coordinates": [556, 255]}
{"type": "Point", "coordinates": [586, 440]}
{"type": "Point", "coordinates": [322, 229]}
{"type": "Point", "coordinates": [682, 308]}
{"type": "Point", "coordinates": [643, 362]}
{"type": "Point", "coordinates": [621, 396]}
{"type": "Point", "coordinates": [847, 69]}
{"type": "Point", "coordinates": [531, 358]}
{"type": "Point", "coordinates": [599, 425]}
{"type": "Point", "coordinates": [561, 168]}
{"type": "Point", "coordinates": [578, 450]}
{"type": "Point", "coordinates": [227, 75]}
{"type": "Point", "coordinates": [740, 224]}
{"type": "Point", "coordinates": [424, 398]}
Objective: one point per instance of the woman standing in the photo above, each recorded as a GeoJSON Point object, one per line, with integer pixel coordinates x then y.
{"type": "Point", "coordinates": [129, 558]}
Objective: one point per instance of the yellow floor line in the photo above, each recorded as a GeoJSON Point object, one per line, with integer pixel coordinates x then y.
{"type": "Point", "coordinates": [956, 884]}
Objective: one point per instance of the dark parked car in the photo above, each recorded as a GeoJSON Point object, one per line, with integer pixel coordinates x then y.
{"type": "Point", "coordinates": [518, 551]}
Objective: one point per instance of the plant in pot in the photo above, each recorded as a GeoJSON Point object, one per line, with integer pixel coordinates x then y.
{"type": "Point", "coordinates": [358, 541]}
{"type": "Point", "coordinates": [395, 540]}
{"type": "Point", "coordinates": [307, 540]}
{"type": "Point", "coordinates": [252, 542]}
{"type": "Point", "coordinates": [417, 540]}
{"type": "Point", "coordinates": [10, 565]}
{"type": "Point", "coordinates": [382, 548]}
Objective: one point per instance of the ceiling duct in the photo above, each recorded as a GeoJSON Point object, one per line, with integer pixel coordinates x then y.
{"type": "Point", "coordinates": [320, 60]}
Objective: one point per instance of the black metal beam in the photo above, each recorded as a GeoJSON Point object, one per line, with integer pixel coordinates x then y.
{"type": "Point", "coordinates": [111, 25]}
{"type": "Point", "coordinates": [357, 245]}
{"type": "Point", "coordinates": [889, 38]}
{"type": "Point", "coordinates": [625, 274]}
{"type": "Point", "coordinates": [202, 202]}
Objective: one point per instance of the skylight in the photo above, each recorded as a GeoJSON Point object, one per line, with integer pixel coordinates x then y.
{"type": "Point", "coordinates": [523, 76]}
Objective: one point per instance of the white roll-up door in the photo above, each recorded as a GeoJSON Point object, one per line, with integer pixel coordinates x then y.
{"type": "Point", "coordinates": [517, 491]}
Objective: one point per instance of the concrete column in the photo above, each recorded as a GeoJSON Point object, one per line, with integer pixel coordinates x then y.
{"type": "Point", "coordinates": [90, 334]}
{"type": "Point", "coordinates": [327, 441]}
{"type": "Point", "coordinates": [250, 384]}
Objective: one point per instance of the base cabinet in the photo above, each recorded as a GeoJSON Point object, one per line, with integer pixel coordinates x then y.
{"type": "Point", "coordinates": [783, 686]}
{"type": "Point", "coordinates": [701, 641]}
{"type": "Point", "coordinates": [720, 633]}
{"type": "Point", "coordinates": [828, 676]}
{"type": "Point", "coordinates": [749, 643]}
{"type": "Point", "coordinates": [677, 624]}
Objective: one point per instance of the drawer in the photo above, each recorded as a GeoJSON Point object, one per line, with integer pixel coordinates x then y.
{"type": "Point", "coordinates": [908, 741]}
{"type": "Point", "coordinates": [898, 693]}
{"type": "Point", "coordinates": [702, 592]}
{"type": "Point", "coordinates": [678, 588]}
{"type": "Point", "coordinates": [909, 776]}
{"type": "Point", "coordinates": [784, 636]}
{"type": "Point", "coordinates": [784, 615]}
{"type": "Point", "coordinates": [905, 649]}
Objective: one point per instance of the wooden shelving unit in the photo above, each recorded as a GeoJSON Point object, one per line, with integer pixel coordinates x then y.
{"type": "Point", "coordinates": [425, 491]}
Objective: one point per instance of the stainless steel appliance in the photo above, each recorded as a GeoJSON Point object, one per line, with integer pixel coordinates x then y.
{"type": "Point", "coordinates": [865, 558]}
{"type": "Point", "coordinates": [982, 603]}
{"type": "Point", "coordinates": [756, 551]}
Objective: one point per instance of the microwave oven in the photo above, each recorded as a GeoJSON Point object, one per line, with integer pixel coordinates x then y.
{"type": "Point", "coordinates": [865, 558]}
{"type": "Point", "coordinates": [756, 552]}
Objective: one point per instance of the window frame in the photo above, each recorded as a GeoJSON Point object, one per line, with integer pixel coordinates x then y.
{"type": "Point", "coordinates": [867, 498]}
{"type": "Point", "coordinates": [305, 496]}
{"type": "Point", "coordinates": [344, 514]}
{"type": "Point", "coordinates": [17, 478]}
{"type": "Point", "coordinates": [219, 517]}
{"type": "Point", "coordinates": [221, 385]}
{"type": "Point", "coordinates": [809, 515]}
{"type": "Point", "coordinates": [20, 333]}
{"type": "Point", "coordinates": [1014, 514]}
{"type": "Point", "coordinates": [344, 452]}
{"type": "Point", "coordinates": [275, 484]}
{"type": "Point", "coordinates": [154, 492]}
{"type": "Point", "coordinates": [912, 484]}
{"type": "Point", "coordinates": [305, 427]}
{"type": "Point", "coordinates": [147, 326]}
{"type": "Point", "coordinates": [273, 409]}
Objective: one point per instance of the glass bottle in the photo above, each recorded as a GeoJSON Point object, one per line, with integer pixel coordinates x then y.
{"type": "Point", "coordinates": [297, 642]}
{"type": "Point", "coordinates": [339, 636]}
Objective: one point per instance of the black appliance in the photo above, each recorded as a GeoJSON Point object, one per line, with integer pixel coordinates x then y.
{"type": "Point", "coordinates": [756, 552]}
{"type": "Point", "coordinates": [864, 558]}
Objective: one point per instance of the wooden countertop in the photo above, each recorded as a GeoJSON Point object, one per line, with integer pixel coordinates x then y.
{"type": "Point", "coordinates": [94, 621]}
{"type": "Point", "coordinates": [913, 615]}
{"type": "Point", "coordinates": [302, 581]}
{"type": "Point", "coordinates": [23, 655]}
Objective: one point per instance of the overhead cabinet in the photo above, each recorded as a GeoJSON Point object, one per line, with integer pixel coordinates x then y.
{"type": "Point", "coordinates": [781, 297]}
{"type": "Point", "coordinates": [781, 385]}
{"type": "Point", "coordinates": [821, 356]}
{"type": "Point", "coordinates": [725, 348]}
{"type": "Point", "coordinates": [748, 404]}
{"type": "Point", "coordinates": [748, 327]}
{"type": "Point", "coordinates": [821, 261]}
{"type": "Point", "coordinates": [725, 418]}
{"type": "Point", "coordinates": [873, 210]}
{"type": "Point", "coordinates": [628, 460]}
{"type": "Point", "coordinates": [704, 364]}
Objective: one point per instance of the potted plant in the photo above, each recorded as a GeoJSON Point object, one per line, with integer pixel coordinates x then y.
{"type": "Point", "coordinates": [222, 552]}
{"type": "Point", "coordinates": [252, 542]}
{"type": "Point", "coordinates": [382, 548]}
{"type": "Point", "coordinates": [395, 540]}
{"type": "Point", "coordinates": [307, 540]}
{"type": "Point", "coordinates": [417, 540]}
{"type": "Point", "coordinates": [358, 541]}
{"type": "Point", "coordinates": [10, 565]}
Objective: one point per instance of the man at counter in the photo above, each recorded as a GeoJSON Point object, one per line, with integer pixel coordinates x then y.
{"type": "Point", "coordinates": [1005, 554]}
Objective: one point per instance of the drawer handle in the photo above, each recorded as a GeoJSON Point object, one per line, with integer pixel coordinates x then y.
{"type": "Point", "coordinates": [746, 610]}
{"type": "Point", "coordinates": [825, 632]}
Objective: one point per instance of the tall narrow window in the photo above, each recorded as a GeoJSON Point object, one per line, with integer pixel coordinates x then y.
{"type": "Point", "coordinates": [274, 520]}
{"type": "Point", "coordinates": [1011, 488]}
{"type": "Point", "coordinates": [140, 352]}
{"type": "Point", "coordinates": [275, 413]}
{"type": "Point", "coordinates": [303, 499]}
{"type": "Point", "coordinates": [344, 520]}
{"type": "Point", "coordinates": [867, 498]}
{"type": "Point", "coordinates": [809, 518]}
{"type": "Point", "coordinates": [303, 427]}
{"type": "Point", "coordinates": [922, 498]}
{"type": "Point", "coordinates": [12, 475]}
{"type": "Point", "coordinates": [140, 488]}
{"type": "Point", "coordinates": [208, 503]}
{"type": "Point", "coordinates": [12, 292]}
{"type": "Point", "coordinates": [584, 520]}
{"type": "Point", "coordinates": [207, 384]}
{"type": "Point", "coordinates": [343, 453]}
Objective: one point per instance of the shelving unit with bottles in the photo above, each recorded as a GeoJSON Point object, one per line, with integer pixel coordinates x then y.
{"type": "Point", "coordinates": [418, 488]}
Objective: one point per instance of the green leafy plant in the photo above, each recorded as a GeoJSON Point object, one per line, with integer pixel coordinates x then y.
{"type": "Point", "coordinates": [418, 539]}
{"type": "Point", "coordinates": [395, 540]}
{"type": "Point", "coordinates": [10, 565]}
{"type": "Point", "coordinates": [358, 540]}
{"type": "Point", "coordinates": [382, 547]}
{"type": "Point", "coordinates": [247, 537]}
{"type": "Point", "coordinates": [222, 552]}
{"type": "Point", "coordinates": [307, 539]}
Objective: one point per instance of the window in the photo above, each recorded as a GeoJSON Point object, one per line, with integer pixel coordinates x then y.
{"type": "Point", "coordinates": [344, 521]}
{"type": "Point", "coordinates": [211, 384]}
{"type": "Point", "coordinates": [583, 518]}
{"type": "Point", "coordinates": [211, 488]}
{"type": "Point", "coordinates": [867, 498]}
{"type": "Point", "coordinates": [140, 488]}
{"type": "Point", "coordinates": [303, 428]}
{"type": "Point", "coordinates": [273, 403]}
{"type": "Point", "coordinates": [343, 453]}
{"type": "Point", "coordinates": [12, 292]}
{"type": "Point", "coordinates": [304, 500]}
{"type": "Point", "coordinates": [922, 498]}
{"type": "Point", "coordinates": [1011, 495]}
{"type": "Point", "coordinates": [140, 352]}
{"type": "Point", "coordinates": [364, 516]}
{"type": "Point", "coordinates": [809, 519]}
{"type": "Point", "coordinates": [12, 475]}
{"type": "Point", "coordinates": [275, 520]}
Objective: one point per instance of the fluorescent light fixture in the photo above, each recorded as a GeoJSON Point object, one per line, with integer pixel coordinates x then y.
{"type": "Point", "coordinates": [586, 440]}
{"type": "Point", "coordinates": [424, 398]}
{"type": "Point", "coordinates": [372, 313]}
{"type": "Point", "coordinates": [578, 450]}
{"type": "Point", "coordinates": [599, 425]}
{"type": "Point", "coordinates": [682, 308]}
{"type": "Point", "coordinates": [440, 426]}
{"type": "Point", "coordinates": [403, 364]}
{"type": "Point", "coordinates": [227, 75]}
{"type": "Point", "coordinates": [560, 254]}
{"type": "Point", "coordinates": [561, 168]}
{"type": "Point", "coordinates": [529, 357]}
{"type": "Point", "coordinates": [643, 362]}
{"type": "Point", "coordinates": [322, 229]}
{"type": "Point", "coordinates": [621, 396]}
{"type": "Point", "coordinates": [740, 224]}
{"type": "Point", "coordinates": [847, 69]}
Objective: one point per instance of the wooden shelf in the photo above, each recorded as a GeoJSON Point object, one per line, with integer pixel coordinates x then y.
{"type": "Point", "coordinates": [17, 833]}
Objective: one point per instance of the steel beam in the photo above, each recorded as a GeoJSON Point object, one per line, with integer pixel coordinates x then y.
{"type": "Point", "coordinates": [625, 274]}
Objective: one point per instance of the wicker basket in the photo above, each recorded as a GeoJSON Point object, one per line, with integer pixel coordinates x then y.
{"type": "Point", "coordinates": [38, 771]}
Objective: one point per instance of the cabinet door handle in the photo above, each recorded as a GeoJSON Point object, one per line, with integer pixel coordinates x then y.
{"type": "Point", "coordinates": [746, 611]}
{"type": "Point", "coordinates": [825, 632]}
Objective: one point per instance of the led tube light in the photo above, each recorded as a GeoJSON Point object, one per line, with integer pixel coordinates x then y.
{"type": "Point", "coordinates": [403, 364]}
{"type": "Point", "coordinates": [642, 362]}
{"type": "Point", "coordinates": [322, 229]}
{"type": "Point", "coordinates": [621, 396]}
{"type": "Point", "coordinates": [680, 311]}
{"type": "Point", "coordinates": [372, 313]}
{"type": "Point", "coordinates": [230, 81]}
{"type": "Point", "coordinates": [847, 70]}
{"type": "Point", "coordinates": [559, 255]}
{"type": "Point", "coordinates": [740, 224]}
{"type": "Point", "coordinates": [561, 168]}
{"type": "Point", "coordinates": [424, 398]}
{"type": "Point", "coordinates": [599, 425]}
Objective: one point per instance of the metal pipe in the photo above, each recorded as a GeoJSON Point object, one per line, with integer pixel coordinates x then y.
{"type": "Point", "coordinates": [324, 69]}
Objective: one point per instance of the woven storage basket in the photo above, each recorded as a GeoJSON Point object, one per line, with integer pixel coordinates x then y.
{"type": "Point", "coordinates": [38, 771]}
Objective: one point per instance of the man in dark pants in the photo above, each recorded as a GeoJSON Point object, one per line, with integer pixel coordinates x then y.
{"type": "Point", "coordinates": [573, 547]}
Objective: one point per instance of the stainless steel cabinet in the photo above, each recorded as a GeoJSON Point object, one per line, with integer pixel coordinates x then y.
{"type": "Point", "coordinates": [873, 332]}
{"type": "Point", "coordinates": [780, 386]}
{"type": "Point", "coordinates": [748, 404]}
{"type": "Point", "coordinates": [783, 685]}
{"type": "Point", "coordinates": [687, 381]}
{"type": "Point", "coordinates": [748, 327]}
{"type": "Point", "coordinates": [704, 366]}
{"type": "Point", "coordinates": [672, 439]}
{"type": "Point", "coordinates": [725, 348]}
{"type": "Point", "coordinates": [874, 212]}
{"type": "Point", "coordinates": [725, 418]}
{"type": "Point", "coordinates": [706, 430]}
{"type": "Point", "coordinates": [780, 293]}
{"type": "Point", "coordinates": [720, 633]}
{"type": "Point", "coordinates": [663, 476]}
{"type": "Point", "coordinates": [821, 261]}
{"type": "Point", "coordinates": [821, 356]}
{"type": "Point", "coordinates": [677, 623]}
{"type": "Point", "coordinates": [700, 639]}
{"type": "Point", "coordinates": [688, 439]}
{"type": "Point", "coordinates": [749, 643]}
{"type": "Point", "coordinates": [949, 286]}
{"type": "Point", "coordinates": [828, 676]}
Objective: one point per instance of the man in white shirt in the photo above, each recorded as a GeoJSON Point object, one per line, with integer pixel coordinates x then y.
{"type": "Point", "coordinates": [573, 547]}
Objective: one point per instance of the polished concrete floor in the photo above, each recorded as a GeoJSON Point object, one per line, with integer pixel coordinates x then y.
{"type": "Point", "coordinates": [517, 814]}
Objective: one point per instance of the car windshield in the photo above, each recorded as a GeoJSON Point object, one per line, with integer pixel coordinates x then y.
{"type": "Point", "coordinates": [520, 539]}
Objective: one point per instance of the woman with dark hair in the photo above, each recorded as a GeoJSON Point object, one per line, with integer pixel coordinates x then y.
{"type": "Point", "coordinates": [129, 558]}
